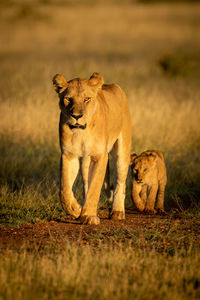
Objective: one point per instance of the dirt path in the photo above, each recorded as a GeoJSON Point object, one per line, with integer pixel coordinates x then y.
{"type": "Point", "coordinates": [56, 233]}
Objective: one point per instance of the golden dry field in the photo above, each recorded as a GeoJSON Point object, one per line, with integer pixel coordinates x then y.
{"type": "Point", "coordinates": [152, 50]}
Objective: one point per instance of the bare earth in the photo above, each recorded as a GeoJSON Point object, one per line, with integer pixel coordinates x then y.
{"type": "Point", "coordinates": [162, 232]}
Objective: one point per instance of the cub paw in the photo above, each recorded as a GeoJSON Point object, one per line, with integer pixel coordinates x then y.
{"type": "Point", "coordinates": [140, 209]}
{"type": "Point", "coordinates": [150, 211]}
{"type": "Point", "coordinates": [89, 220]}
{"type": "Point", "coordinates": [117, 215]}
{"type": "Point", "coordinates": [161, 212]}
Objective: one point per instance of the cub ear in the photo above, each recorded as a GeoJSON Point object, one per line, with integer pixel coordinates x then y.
{"type": "Point", "coordinates": [96, 80]}
{"type": "Point", "coordinates": [132, 158]}
{"type": "Point", "coordinates": [152, 155]}
{"type": "Point", "coordinates": [59, 83]}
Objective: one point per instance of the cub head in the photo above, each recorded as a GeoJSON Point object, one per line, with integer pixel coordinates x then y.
{"type": "Point", "coordinates": [142, 165]}
{"type": "Point", "coordinates": [78, 98]}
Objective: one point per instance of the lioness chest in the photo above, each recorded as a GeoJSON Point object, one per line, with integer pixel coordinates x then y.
{"type": "Point", "coordinates": [80, 143]}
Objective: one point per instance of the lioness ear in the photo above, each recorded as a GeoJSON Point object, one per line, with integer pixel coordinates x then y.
{"type": "Point", "coordinates": [132, 157]}
{"type": "Point", "coordinates": [96, 80]}
{"type": "Point", "coordinates": [59, 83]}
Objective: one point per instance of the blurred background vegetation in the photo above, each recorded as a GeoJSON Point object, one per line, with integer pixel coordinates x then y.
{"type": "Point", "coordinates": [150, 48]}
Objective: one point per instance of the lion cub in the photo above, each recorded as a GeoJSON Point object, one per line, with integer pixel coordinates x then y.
{"type": "Point", "coordinates": [149, 181]}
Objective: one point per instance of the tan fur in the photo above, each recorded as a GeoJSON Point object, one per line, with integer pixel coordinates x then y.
{"type": "Point", "coordinates": [94, 121]}
{"type": "Point", "coordinates": [149, 180]}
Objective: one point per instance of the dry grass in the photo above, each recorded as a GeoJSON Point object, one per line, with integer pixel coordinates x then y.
{"type": "Point", "coordinates": [114, 273]}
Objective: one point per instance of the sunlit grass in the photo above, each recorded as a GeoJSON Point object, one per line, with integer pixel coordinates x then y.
{"type": "Point", "coordinates": [116, 273]}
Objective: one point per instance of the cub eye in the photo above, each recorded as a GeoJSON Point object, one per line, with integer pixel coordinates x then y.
{"type": "Point", "coordinates": [145, 170]}
{"type": "Point", "coordinates": [67, 100]}
{"type": "Point", "coordinates": [87, 99]}
{"type": "Point", "coordinates": [135, 171]}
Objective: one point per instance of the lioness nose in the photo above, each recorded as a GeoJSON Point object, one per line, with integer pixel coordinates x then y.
{"type": "Point", "coordinates": [76, 116]}
{"type": "Point", "coordinates": [139, 180]}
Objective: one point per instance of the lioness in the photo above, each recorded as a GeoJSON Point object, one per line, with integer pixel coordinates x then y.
{"type": "Point", "coordinates": [149, 180]}
{"type": "Point", "coordinates": [94, 121]}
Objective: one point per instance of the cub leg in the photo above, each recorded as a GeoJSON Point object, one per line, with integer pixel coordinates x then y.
{"type": "Point", "coordinates": [144, 194]}
{"type": "Point", "coordinates": [149, 208]}
{"type": "Point", "coordinates": [97, 172]}
{"type": "Point", "coordinates": [68, 171]}
{"type": "Point", "coordinates": [160, 197]}
{"type": "Point", "coordinates": [136, 190]}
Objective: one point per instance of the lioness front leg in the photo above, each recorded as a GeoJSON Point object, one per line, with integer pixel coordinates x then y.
{"type": "Point", "coordinates": [152, 192]}
{"type": "Point", "coordinates": [96, 176]}
{"type": "Point", "coordinates": [68, 171]}
{"type": "Point", "coordinates": [136, 190]}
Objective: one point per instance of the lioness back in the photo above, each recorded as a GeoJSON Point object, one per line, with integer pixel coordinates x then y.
{"type": "Point", "coordinates": [116, 110]}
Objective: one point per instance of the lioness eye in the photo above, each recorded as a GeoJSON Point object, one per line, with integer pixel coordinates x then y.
{"type": "Point", "coordinates": [145, 170]}
{"type": "Point", "coordinates": [87, 99]}
{"type": "Point", "coordinates": [135, 170]}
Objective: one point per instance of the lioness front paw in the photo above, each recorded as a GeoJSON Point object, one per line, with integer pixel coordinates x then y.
{"type": "Point", "coordinates": [117, 215]}
{"type": "Point", "coordinates": [89, 220]}
{"type": "Point", "coordinates": [74, 210]}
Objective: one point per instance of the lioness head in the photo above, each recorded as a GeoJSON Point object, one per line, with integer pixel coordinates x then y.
{"type": "Point", "coordinates": [142, 165]}
{"type": "Point", "coordinates": [78, 98]}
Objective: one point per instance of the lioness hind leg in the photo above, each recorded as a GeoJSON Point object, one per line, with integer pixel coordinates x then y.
{"type": "Point", "coordinates": [68, 172]}
{"type": "Point", "coordinates": [85, 165]}
{"type": "Point", "coordinates": [108, 187]}
{"type": "Point", "coordinates": [121, 153]}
